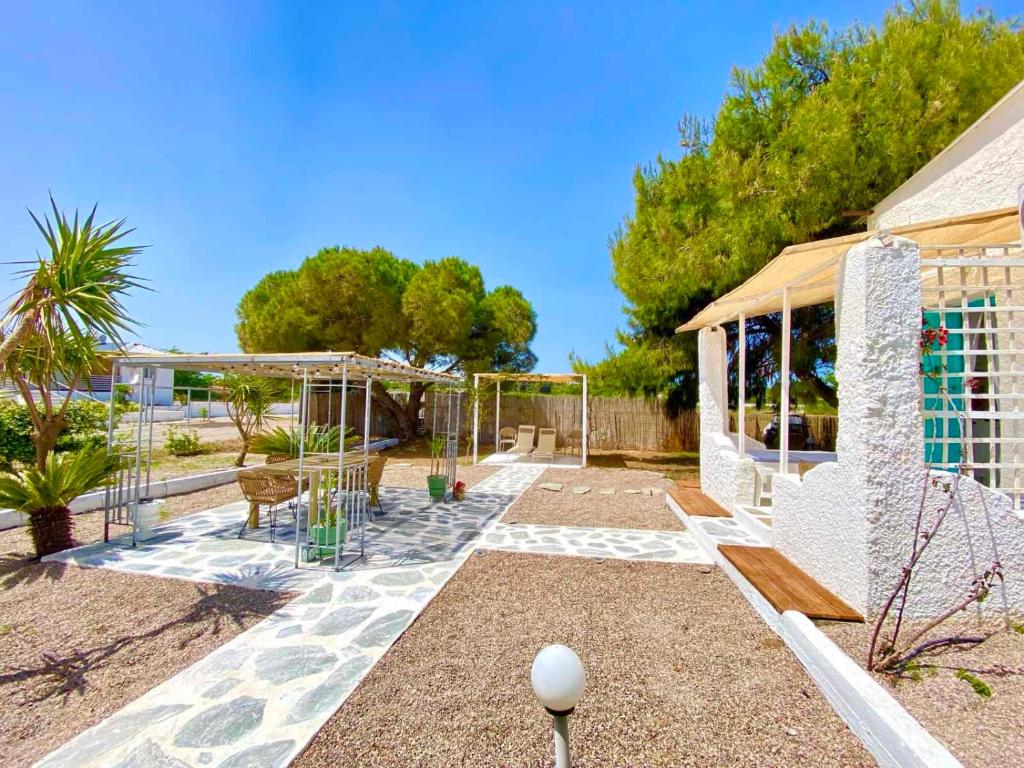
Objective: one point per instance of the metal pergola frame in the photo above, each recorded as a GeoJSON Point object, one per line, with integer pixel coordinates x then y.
{"type": "Point", "coordinates": [316, 371]}
{"type": "Point", "coordinates": [551, 378]}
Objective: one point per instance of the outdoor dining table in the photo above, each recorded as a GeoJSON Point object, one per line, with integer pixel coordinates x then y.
{"type": "Point", "coordinates": [313, 466]}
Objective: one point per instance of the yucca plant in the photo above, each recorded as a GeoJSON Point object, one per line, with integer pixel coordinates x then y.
{"type": "Point", "coordinates": [285, 442]}
{"type": "Point", "coordinates": [249, 400]}
{"type": "Point", "coordinates": [72, 295]}
{"type": "Point", "coordinates": [44, 494]}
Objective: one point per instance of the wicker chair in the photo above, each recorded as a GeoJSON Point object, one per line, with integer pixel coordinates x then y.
{"type": "Point", "coordinates": [506, 437]}
{"type": "Point", "coordinates": [264, 489]}
{"type": "Point", "coordinates": [374, 474]}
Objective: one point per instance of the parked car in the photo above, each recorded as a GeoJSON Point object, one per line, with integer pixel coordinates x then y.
{"type": "Point", "coordinates": [800, 438]}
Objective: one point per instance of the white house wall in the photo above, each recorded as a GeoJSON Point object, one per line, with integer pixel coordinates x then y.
{"type": "Point", "coordinates": [980, 171]}
{"type": "Point", "coordinates": [850, 524]}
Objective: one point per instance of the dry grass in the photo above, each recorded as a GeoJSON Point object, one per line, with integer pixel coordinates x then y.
{"type": "Point", "coordinates": [681, 672]}
{"type": "Point", "coordinates": [71, 654]}
{"type": "Point", "coordinates": [594, 509]}
{"type": "Point", "coordinates": [980, 731]}
{"type": "Point", "coordinates": [675, 466]}
{"type": "Point", "coordinates": [415, 475]}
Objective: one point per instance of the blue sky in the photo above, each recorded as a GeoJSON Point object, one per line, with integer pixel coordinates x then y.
{"type": "Point", "coordinates": [238, 138]}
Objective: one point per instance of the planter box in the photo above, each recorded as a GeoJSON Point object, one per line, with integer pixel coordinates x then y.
{"type": "Point", "coordinates": [326, 536]}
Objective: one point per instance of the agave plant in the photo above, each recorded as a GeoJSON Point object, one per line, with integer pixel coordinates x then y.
{"type": "Point", "coordinates": [285, 442]}
{"type": "Point", "coordinates": [44, 494]}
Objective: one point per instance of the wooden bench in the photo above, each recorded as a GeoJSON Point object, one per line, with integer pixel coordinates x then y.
{"type": "Point", "coordinates": [693, 502]}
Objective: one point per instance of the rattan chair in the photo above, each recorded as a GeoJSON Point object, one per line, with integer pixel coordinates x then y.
{"type": "Point", "coordinates": [374, 474]}
{"type": "Point", "coordinates": [506, 437]}
{"type": "Point", "coordinates": [262, 489]}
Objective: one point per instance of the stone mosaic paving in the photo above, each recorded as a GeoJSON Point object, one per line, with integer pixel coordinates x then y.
{"type": "Point", "coordinates": [261, 697]}
{"type": "Point", "coordinates": [258, 699]}
{"type": "Point", "coordinates": [619, 543]}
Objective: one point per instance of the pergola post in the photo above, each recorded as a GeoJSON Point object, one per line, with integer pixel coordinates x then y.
{"type": "Point", "coordinates": [497, 412]}
{"type": "Point", "coordinates": [366, 419]}
{"type": "Point", "coordinates": [741, 397]}
{"type": "Point", "coordinates": [586, 424]}
{"type": "Point", "coordinates": [476, 414]}
{"type": "Point", "coordinates": [303, 416]}
{"type": "Point", "coordinates": [339, 541]}
{"type": "Point", "coordinates": [784, 384]}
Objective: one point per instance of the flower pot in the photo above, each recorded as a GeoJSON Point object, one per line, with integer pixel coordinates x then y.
{"type": "Point", "coordinates": [148, 516]}
{"type": "Point", "coordinates": [326, 537]}
{"type": "Point", "coordinates": [437, 485]}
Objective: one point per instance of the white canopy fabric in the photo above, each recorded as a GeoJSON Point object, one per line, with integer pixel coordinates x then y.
{"type": "Point", "coordinates": [318, 365]}
{"type": "Point", "coordinates": [808, 269]}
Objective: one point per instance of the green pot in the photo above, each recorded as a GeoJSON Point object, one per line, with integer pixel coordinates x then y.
{"type": "Point", "coordinates": [327, 536]}
{"type": "Point", "coordinates": [437, 485]}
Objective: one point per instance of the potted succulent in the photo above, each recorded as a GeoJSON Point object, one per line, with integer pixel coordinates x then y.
{"type": "Point", "coordinates": [437, 480]}
{"type": "Point", "coordinates": [459, 491]}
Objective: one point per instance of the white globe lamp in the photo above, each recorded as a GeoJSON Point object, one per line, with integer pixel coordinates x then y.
{"type": "Point", "coordinates": [558, 679]}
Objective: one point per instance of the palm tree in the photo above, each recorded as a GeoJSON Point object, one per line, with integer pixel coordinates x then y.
{"type": "Point", "coordinates": [249, 400]}
{"type": "Point", "coordinates": [44, 494]}
{"type": "Point", "coordinates": [71, 296]}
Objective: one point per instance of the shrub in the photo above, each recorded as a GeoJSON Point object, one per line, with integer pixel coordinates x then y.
{"type": "Point", "coordinates": [184, 443]}
{"type": "Point", "coordinates": [86, 427]}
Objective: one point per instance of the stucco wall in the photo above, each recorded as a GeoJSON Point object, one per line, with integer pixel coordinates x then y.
{"type": "Point", "coordinates": [725, 476]}
{"type": "Point", "coordinates": [850, 524]}
{"type": "Point", "coordinates": [979, 172]}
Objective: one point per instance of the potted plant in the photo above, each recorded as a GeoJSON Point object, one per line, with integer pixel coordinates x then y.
{"type": "Point", "coordinates": [459, 491]}
{"type": "Point", "coordinates": [326, 535]}
{"type": "Point", "coordinates": [437, 480]}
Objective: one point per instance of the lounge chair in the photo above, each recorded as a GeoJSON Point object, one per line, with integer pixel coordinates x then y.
{"type": "Point", "coordinates": [524, 439]}
{"type": "Point", "coordinates": [506, 437]}
{"type": "Point", "coordinates": [545, 444]}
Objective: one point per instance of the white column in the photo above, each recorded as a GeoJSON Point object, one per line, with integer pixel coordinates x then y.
{"type": "Point", "coordinates": [784, 382]}
{"type": "Point", "coordinates": [476, 414]}
{"type": "Point", "coordinates": [366, 419]}
{"type": "Point", "coordinates": [741, 397]}
{"type": "Point", "coordinates": [303, 417]}
{"type": "Point", "coordinates": [586, 424]}
{"type": "Point", "coordinates": [497, 412]}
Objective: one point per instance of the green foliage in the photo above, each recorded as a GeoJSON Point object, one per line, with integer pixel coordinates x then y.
{"type": "Point", "coordinates": [980, 686]}
{"type": "Point", "coordinates": [64, 477]}
{"type": "Point", "coordinates": [86, 425]}
{"type": "Point", "coordinates": [371, 302]}
{"type": "Point", "coordinates": [826, 123]}
{"type": "Point", "coordinates": [285, 442]}
{"type": "Point", "coordinates": [183, 442]}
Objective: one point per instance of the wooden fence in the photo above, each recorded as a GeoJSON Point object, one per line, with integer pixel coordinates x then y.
{"type": "Point", "coordinates": [616, 423]}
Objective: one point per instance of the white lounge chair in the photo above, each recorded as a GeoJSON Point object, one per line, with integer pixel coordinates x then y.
{"type": "Point", "coordinates": [545, 444]}
{"type": "Point", "coordinates": [524, 439]}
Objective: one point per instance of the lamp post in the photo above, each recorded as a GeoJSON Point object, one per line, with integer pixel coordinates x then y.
{"type": "Point", "coordinates": [558, 677]}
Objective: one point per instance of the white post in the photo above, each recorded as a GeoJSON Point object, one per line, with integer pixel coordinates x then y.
{"type": "Point", "coordinates": [366, 420]}
{"type": "Point", "coordinates": [586, 423]}
{"type": "Point", "coordinates": [741, 397]}
{"type": "Point", "coordinates": [784, 382]}
{"type": "Point", "coordinates": [341, 501]}
{"type": "Point", "coordinates": [497, 412]}
{"type": "Point", "coordinates": [476, 414]}
{"type": "Point", "coordinates": [303, 416]}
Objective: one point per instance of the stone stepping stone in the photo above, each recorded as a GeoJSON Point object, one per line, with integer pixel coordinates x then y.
{"type": "Point", "coordinates": [222, 724]}
{"type": "Point", "coordinates": [579, 490]}
{"type": "Point", "coordinates": [555, 487]}
{"type": "Point", "coordinates": [632, 491]}
{"type": "Point", "coordinates": [607, 491]}
{"type": "Point", "coordinates": [279, 665]}
{"type": "Point", "coordinates": [262, 754]}
{"type": "Point", "coordinates": [149, 754]}
{"type": "Point", "coordinates": [404, 464]}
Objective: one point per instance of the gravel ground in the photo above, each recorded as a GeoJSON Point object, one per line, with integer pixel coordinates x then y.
{"type": "Point", "coordinates": [979, 731]}
{"type": "Point", "coordinates": [71, 655]}
{"type": "Point", "coordinates": [415, 476]}
{"type": "Point", "coordinates": [680, 673]}
{"type": "Point", "coordinates": [594, 509]}
{"type": "Point", "coordinates": [15, 543]}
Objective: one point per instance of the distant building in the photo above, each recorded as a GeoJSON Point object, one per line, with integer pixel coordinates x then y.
{"type": "Point", "coordinates": [134, 377]}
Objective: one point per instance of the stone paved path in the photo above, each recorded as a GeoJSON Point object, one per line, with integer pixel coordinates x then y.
{"type": "Point", "coordinates": [260, 698]}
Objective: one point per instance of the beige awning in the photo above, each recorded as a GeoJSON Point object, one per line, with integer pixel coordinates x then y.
{"type": "Point", "coordinates": [551, 378]}
{"type": "Point", "coordinates": [808, 269]}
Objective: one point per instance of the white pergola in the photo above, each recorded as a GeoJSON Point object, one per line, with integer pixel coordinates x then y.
{"type": "Point", "coordinates": [315, 371]}
{"type": "Point", "coordinates": [550, 378]}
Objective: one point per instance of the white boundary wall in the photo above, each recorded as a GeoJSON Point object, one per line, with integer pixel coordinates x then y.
{"type": "Point", "coordinates": [849, 524]}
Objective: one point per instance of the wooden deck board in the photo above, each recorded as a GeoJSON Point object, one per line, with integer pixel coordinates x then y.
{"type": "Point", "coordinates": [784, 585]}
{"type": "Point", "coordinates": [694, 502]}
